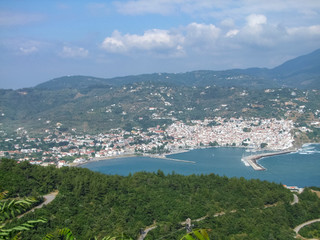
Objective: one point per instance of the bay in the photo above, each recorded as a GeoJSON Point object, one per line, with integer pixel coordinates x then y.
{"type": "Point", "coordinates": [301, 168]}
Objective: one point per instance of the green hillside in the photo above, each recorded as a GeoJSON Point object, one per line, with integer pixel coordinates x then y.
{"type": "Point", "coordinates": [143, 105]}
{"type": "Point", "coordinates": [93, 204]}
{"type": "Point", "coordinates": [72, 82]}
{"type": "Point", "coordinates": [96, 109]}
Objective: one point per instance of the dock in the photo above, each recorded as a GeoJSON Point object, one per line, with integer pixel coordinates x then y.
{"type": "Point", "coordinates": [253, 159]}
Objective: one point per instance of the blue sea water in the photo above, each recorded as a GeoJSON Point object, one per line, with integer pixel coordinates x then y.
{"type": "Point", "coordinates": [301, 168]}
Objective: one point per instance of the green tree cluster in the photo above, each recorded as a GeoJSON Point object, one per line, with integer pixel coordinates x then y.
{"type": "Point", "coordinates": [94, 204]}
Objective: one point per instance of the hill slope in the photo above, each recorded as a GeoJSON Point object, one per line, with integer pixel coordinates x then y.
{"type": "Point", "coordinates": [97, 105]}
{"type": "Point", "coordinates": [93, 204]}
{"type": "Point", "coordinates": [71, 82]}
{"type": "Point", "coordinates": [302, 72]}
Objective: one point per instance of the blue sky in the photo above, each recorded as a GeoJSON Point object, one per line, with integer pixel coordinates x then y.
{"type": "Point", "coordinates": [45, 39]}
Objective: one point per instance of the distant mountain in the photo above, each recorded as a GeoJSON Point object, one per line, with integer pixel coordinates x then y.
{"type": "Point", "coordinates": [77, 82]}
{"type": "Point", "coordinates": [302, 72]}
{"type": "Point", "coordinates": [309, 63]}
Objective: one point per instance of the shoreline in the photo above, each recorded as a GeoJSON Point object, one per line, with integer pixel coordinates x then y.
{"type": "Point", "coordinates": [251, 160]}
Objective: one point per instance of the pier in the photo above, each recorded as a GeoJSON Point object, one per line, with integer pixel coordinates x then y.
{"type": "Point", "coordinates": [169, 159]}
{"type": "Point", "coordinates": [253, 159]}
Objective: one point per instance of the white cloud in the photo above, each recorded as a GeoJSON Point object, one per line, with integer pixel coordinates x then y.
{"type": "Point", "coordinates": [205, 32]}
{"type": "Point", "coordinates": [115, 43]}
{"type": "Point", "coordinates": [256, 20]}
{"type": "Point", "coordinates": [232, 33]}
{"type": "Point", "coordinates": [256, 25]}
{"type": "Point", "coordinates": [154, 40]}
{"type": "Point", "coordinates": [258, 32]}
{"type": "Point", "coordinates": [28, 50]}
{"type": "Point", "coordinates": [74, 52]}
{"type": "Point", "coordinates": [304, 31]}
{"type": "Point", "coordinates": [208, 39]}
{"type": "Point", "coordinates": [201, 38]}
{"type": "Point", "coordinates": [23, 46]}
{"type": "Point", "coordinates": [172, 42]}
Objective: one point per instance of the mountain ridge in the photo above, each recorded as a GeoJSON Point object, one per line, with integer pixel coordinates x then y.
{"type": "Point", "coordinates": [301, 72]}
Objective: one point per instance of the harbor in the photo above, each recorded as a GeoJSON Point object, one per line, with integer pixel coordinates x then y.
{"type": "Point", "coordinates": [294, 169]}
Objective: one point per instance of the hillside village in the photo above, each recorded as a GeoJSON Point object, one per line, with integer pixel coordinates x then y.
{"type": "Point", "coordinates": [62, 148]}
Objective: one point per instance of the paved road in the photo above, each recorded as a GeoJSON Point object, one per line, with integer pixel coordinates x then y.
{"type": "Point", "coordinates": [297, 228]}
{"type": "Point", "coordinates": [47, 199]}
{"type": "Point", "coordinates": [295, 199]}
{"type": "Point", "coordinates": [145, 232]}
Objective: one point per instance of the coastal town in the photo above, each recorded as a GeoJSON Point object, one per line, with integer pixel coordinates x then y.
{"type": "Point", "coordinates": [65, 148]}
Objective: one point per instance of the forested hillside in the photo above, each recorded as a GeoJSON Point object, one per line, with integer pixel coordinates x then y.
{"type": "Point", "coordinates": [93, 204]}
{"type": "Point", "coordinates": [143, 105]}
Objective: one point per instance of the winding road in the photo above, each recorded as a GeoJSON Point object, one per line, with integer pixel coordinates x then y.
{"type": "Point", "coordinates": [145, 232]}
{"type": "Point", "coordinates": [47, 199]}
{"type": "Point", "coordinates": [295, 201]}
{"type": "Point", "coordinates": [297, 228]}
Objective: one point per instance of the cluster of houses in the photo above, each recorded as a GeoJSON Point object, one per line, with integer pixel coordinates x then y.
{"type": "Point", "coordinates": [60, 149]}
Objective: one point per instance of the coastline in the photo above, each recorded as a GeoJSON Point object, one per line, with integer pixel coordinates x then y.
{"type": "Point", "coordinates": [251, 160]}
{"type": "Point", "coordinates": [291, 170]}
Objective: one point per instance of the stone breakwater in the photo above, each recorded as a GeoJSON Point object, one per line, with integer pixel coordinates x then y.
{"type": "Point", "coordinates": [253, 159]}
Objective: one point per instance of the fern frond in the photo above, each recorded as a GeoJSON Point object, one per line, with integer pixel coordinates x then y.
{"type": "Point", "coordinates": [199, 234]}
{"type": "Point", "coordinates": [5, 233]}
{"type": "Point", "coordinates": [64, 233]}
{"type": "Point", "coordinates": [3, 194]}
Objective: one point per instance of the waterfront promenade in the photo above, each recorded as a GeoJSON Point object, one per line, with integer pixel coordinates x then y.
{"type": "Point", "coordinates": [252, 160]}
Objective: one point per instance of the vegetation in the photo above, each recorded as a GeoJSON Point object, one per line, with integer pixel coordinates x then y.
{"type": "Point", "coordinates": [11, 208]}
{"type": "Point", "coordinates": [145, 104]}
{"type": "Point", "coordinates": [311, 231]}
{"type": "Point", "coordinates": [92, 204]}
{"type": "Point", "coordinates": [200, 234]}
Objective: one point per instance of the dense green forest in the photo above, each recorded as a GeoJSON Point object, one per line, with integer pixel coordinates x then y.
{"type": "Point", "coordinates": [92, 204]}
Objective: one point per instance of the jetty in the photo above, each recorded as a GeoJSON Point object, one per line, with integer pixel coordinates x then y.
{"type": "Point", "coordinates": [252, 160]}
{"type": "Point", "coordinates": [169, 159]}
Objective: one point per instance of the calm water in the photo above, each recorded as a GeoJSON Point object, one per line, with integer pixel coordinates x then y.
{"type": "Point", "coordinates": [300, 169]}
